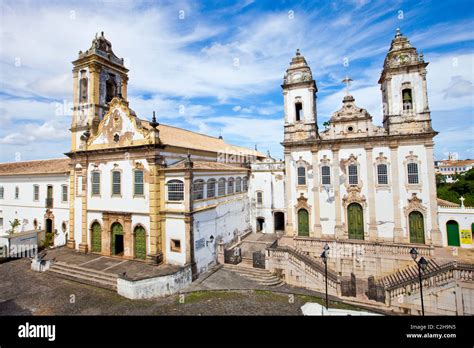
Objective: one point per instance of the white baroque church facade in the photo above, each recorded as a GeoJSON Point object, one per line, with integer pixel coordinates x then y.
{"type": "Point", "coordinates": [154, 193]}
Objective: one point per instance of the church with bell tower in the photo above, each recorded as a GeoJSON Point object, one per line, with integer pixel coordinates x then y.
{"type": "Point", "coordinates": [356, 180]}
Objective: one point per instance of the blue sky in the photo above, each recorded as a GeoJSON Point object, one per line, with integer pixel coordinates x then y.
{"type": "Point", "coordinates": [216, 66]}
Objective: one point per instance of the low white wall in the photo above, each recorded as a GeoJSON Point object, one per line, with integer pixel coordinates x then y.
{"type": "Point", "coordinates": [155, 287]}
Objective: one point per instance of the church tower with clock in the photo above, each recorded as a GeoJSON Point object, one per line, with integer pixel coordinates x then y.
{"type": "Point", "coordinates": [98, 76]}
{"type": "Point", "coordinates": [299, 98]}
{"type": "Point", "coordinates": [404, 91]}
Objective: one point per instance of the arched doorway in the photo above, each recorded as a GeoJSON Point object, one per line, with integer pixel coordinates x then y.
{"type": "Point", "coordinates": [49, 226]}
{"type": "Point", "coordinates": [452, 229]}
{"type": "Point", "coordinates": [417, 227]}
{"type": "Point", "coordinates": [355, 221]}
{"type": "Point", "coordinates": [260, 222]}
{"type": "Point", "coordinates": [303, 223]}
{"type": "Point", "coordinates": [96, 237]}
{"type": "Point", "coordinates": [117, 238]}
{"type": "Point", "coordinates": [140, 243]}
{"type": "Point", "coordinates": [279, 220]}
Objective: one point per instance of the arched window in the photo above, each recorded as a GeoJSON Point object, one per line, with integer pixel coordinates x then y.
{"type": "Point", "coordinates": [110, 88]}
{"type": "Point", "coordinates": [116, 182]}
{"type": "Point", "coordinates": [230, 186]}
{"type": "Point", "coordinates": [299, 111]}
{"type": "Point", "coordinates": [301, 175]}
{"type": "Point", "coordinates": [83, 90]}
{"type": "Point", "coordinates": [211, 188]}
{"type": "Point", "coordinates": [353, 174]}
{"type": "Point", "coordinates": [238, 185]}
{"type": "Point", "coordinates": [382, 174]}
{"type": "Point", "coordinates": [326, 175]}
{"type": "Point", "coordinates": [175, 190]}
{"type": "Point", "coordinates": [221, 187]}
{"type": "Point", "coordinates": [412, 170]}
{"type": "Point", "coordinates": [407, 99]}
{"type": "Point", "coordinates": [198, 189]}
{"type": "Point", "coordinates": [245, 184]}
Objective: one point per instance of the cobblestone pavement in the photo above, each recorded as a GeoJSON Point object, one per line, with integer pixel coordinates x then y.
{"type": "Point", "coordinates": [25, 292]}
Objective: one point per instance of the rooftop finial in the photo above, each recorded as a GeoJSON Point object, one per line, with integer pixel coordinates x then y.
{"type": "Point", "coordinates": [398, 34]}
{"type": "Point", "coordinates": [102, 33]}
{"type": "Point", "coordinates": [153, 122]}
{"type": "Point", "coordinates": [347, 81]}
{"type": "Point", "coordinates": [298, 52]}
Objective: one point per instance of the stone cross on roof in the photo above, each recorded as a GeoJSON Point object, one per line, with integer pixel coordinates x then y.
{"type": "Point", "coordinates": [462, 199]}
{"type": "Point", "coordinates": [347, 81]}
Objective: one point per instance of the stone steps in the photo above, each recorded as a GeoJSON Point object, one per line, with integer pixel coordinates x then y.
{"type": "Point", "coordinates": [259, 275]}
{"type": "Point", "coordinates": [84, 275]}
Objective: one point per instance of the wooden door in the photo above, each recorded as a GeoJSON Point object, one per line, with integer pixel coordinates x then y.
{"type": "Point", "coordinates": [417, 227]}
{"type": "Point", "coordinates": [303, 222]}
{"type": "Point", "coordinates": [140, 243]}
{"type": "Point", "coordinates": [452, 229]}
{"type": "Point", "coordinates": [355, 221]}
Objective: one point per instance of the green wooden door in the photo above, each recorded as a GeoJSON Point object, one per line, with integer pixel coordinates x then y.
{"type": "Point", "coordinates": [452, 228]}
{"type": "Point", "coordinates": [140, 243]}
{"type": "Point", "coordinates": [117, 238]}
{"type": "Point", "coordinates": [355, 221]}
{"type": "Point", "coordinates": [417, 228]}
{"type": "Point", "coordinates": [303, 222]}
{"type": "Point", "coordinates": [96, 238]}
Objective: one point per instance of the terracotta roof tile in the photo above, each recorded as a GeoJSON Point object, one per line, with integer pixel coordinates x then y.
{"type": "Point", "coordinates": [50, 166]}
{"type": "Point", "coordinates": [445, 203]}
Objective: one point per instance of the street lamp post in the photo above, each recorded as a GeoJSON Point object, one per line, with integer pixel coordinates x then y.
{"type": "Point", "coordinates": [324, 257]}
{"type": "Point", "coordinates": [422, 264]}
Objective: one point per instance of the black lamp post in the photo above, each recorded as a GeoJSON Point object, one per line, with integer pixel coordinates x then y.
{"type": "Point", "coordinates": [324, 257]}
{"type": "Point", "coordinates": [422, 265]}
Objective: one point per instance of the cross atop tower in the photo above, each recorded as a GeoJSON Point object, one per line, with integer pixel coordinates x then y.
{"type": "Point", "coordinates": [347, 81]}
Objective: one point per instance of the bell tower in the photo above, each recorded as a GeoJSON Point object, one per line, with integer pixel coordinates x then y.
{"type": "Point", "coordinates": [404, 91]}
{"type": "Point", "coordinates": [98, 76]}
{"type": "Point", "coordinates": [299, 96]}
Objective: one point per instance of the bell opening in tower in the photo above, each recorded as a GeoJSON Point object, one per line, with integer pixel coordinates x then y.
{"type": "Point", "coordinates": [299, 111]}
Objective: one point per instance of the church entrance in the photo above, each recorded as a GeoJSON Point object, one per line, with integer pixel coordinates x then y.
{"type": "Point", "coordinates": [452, 229]}
{"type": "Point", "coordinates": [117, 239]}
{"type": "Point", "coordinates": [260, 222]}
{"type": "Point", "coordinates": [355, 221]}
{"type": "Point", "coordinates": [279, 219]}
{"type": "Point", "coordinates": [96, 238]}
{"type": "Point", "coordinates": [140, 243]}
{"type": "Point", "coordinates": [303, 223]}
{"type": "Point", "coordinates": [417, 228]}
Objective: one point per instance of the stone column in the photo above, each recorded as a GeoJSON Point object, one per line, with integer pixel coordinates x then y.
{"type": "Point", "coordinates": [285, 105]}
{"type": "Point", "coordinates": [188, 216]}
{"type": "Point", "coordinates": [317, 230]}
{"type": "Point", "coordinates": [435, 233]}
{"type": "Point", "coordinates": [94, 98]}
{"type": "Point", "coordinates": [337, 193]}
{"type": "Point", "coordinates": [128, 237]}
{"type": "Point", "coordinates": [371, 190]}
{"type": "Point", "coordinates": [106, 237]}
{"type": "Point", "coordinates": [289, 231]}
{"type": "Point", "coordinates": [398, 236]}
{"type": "Point", "coordinates": [84, 245]}
{"type": "Point", "coordinates": [71, 242]}
{"type": "Point", "coordinates": [155, 253]}
{"type": "Point", "coordinates": [425, 91]}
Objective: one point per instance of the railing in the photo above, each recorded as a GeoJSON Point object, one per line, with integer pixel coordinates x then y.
{"type": "Point", "coordinates": [49, 202]}
{"type": "Point", "coordinates": [406, 281]}
{"type": "Point", "coordinates": [305, 263]}
{"type": "Point", "coordinates": [366, 247]}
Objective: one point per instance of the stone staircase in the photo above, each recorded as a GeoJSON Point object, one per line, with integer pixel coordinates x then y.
{"type": "Point", "coordinates": [84, 275]}
{"type": "Point", "coordinates": [261, 276]}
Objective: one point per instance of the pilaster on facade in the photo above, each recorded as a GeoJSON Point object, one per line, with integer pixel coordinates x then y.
{"type": "Point", "coordinates": [435, 232]}
{"type": "Point", "coordinates": [71, 242]}
{"type": "Point", "coordinates": [155, 254]}
{"type": "Point", "coordinates": [398, 235]}
{"type": "Point", "coordinates": [317, 228]}
{"type": "Point", "coordinates": [338, 229]}
{"type": "Point", "coordinates": [371, 188]}
{"type": "Point", "coordinates": [289, 231]}
{"type": "Point", "coordinates": [84, 245]}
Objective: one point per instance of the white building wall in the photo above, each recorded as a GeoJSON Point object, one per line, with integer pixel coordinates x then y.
{"type": "Point", "coordinates": [465, 219]}
{"type": "Point", "coordinates": [26, 209]}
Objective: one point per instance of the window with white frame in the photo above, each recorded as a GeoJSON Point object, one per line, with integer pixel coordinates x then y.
{"type": "Point", "coordinates": [175, 190]}
{"type": "Point", "coordinates": [326, 175]}
{"type": "Point", "coordinates": [17, 192]}
{"type": "Point", "coordinates": [198, 189]}
{"type": "Point", "coordinates": [64, 193]}
{"type": "Point", "coordinates": [412, 170]}
{"type": "Point", "coordinates": [211, 188]}
{"type": "Point", "coordinates": [238, 184]}
{"type": "Point", "coordinates": [95, 180]}
{"type": "Point", "coordinates": [138, 185]}
{"type": "Point", "coordinates": [230, 186]}
{"type": "Point", "coordinates": [116, 182]}
{"type": "Point", "coordinates": [353, 174]}
{"type": "Point", "coordinates": [36, 193]}
{"type": "Point", "coordinates": [259, 197]}
{"type": "Point", "coordinates": [382, 174]}
{"type": "Point", "coordinates": [221, 187]}
{"type": "Point", "coordinates": [301, 171]}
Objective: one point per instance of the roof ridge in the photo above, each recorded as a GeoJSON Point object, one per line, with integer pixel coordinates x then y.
{"type": "Point", "coordinates": [36, 160]}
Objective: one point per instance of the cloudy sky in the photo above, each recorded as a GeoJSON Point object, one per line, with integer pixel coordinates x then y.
{"type": "Point", "coordinates": [216, 66]}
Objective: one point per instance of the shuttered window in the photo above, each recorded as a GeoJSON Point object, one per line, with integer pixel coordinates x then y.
{"type": "Point", "coordinates": [138, 184]}
{"type": "Point", "coordinates": [96, 183]}
{"type": "Point", "coordinates": [116, 183]}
